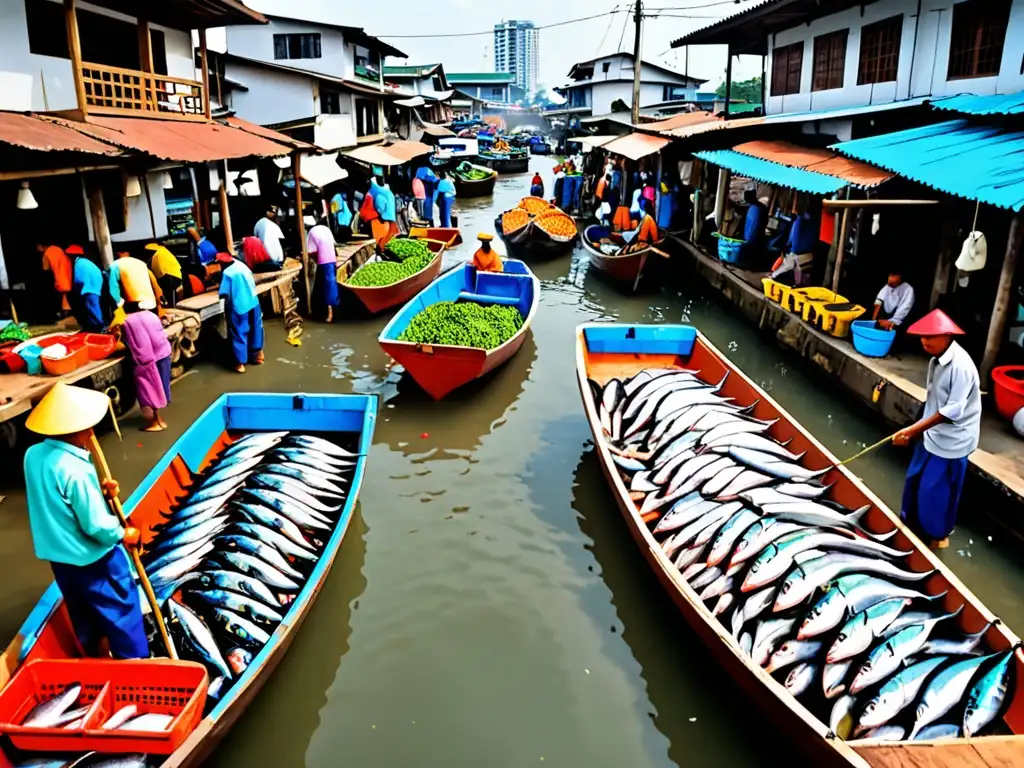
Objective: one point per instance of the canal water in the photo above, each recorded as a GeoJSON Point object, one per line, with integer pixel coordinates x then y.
{"type": "Point", "coordinates": [488, 606]}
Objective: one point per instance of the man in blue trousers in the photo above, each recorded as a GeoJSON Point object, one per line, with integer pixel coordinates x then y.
{"type": "Point", "coordinates": [242, 310]}
{"type": "Point", "coordinates": [73, 529]}
{"type": "Point", "coordinates": [950, 429]}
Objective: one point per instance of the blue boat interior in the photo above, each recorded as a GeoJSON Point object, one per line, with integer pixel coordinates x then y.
{"type": "Point", "coordinates": [617, 338]}
{"type": "Point", "coordinates": [514, 287]}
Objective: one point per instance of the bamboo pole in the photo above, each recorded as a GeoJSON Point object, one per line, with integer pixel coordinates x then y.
{"type": "Point", "coordinates": [115, 505]}
{"type": "Point", "coordinates": [203, 62]}
{"type": "Point", "coordinates": [225, 211]}
{"type": "Point", "coordinates": [841, 251]}
{"type": "Point", "coordinates": [75, 51]}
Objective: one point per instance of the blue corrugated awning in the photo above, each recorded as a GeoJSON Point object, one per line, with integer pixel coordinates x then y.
{"type": "Point", "coordinates": [969, 104]}
{"type": "Point", "coordinates": [773, 173]}
{"type": "Point", "coordinates": [843, 112]}
{"type": "Point", "coordinates": [978, 162]}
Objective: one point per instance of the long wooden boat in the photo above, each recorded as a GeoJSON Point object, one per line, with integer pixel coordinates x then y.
{"type": "Point", "coordinates": [505, 163]}
{"type": "Point", "coordinates": [379, 298]}
{"type": "Point", "coordinates": [531, 241]}
{"type": "Point", "coordinates": [622, 268]}
{"type": "Point", "coordinates": [613, 350]}
{"type": "Point", "coordinates": [439, 369]}
{"type": "Point", "coordinates": [517, 239]}
{"type": "Point", "coordinates": [47, 632]}
{"type": "Point", "coordinates": [475, 187]}
{"type": "Point", "coordinates": [450, 236]}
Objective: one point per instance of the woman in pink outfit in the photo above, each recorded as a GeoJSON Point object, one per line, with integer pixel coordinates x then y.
{"type": "Point", "coordinates": [144, 336]}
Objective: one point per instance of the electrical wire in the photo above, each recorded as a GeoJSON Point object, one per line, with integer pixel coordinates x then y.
{"type": "Point", "coordinates": [625, 23]}
{"type": "Point", "coordinates": [611, 20]}
{"type": "Point", "coordinates": [491, 31]}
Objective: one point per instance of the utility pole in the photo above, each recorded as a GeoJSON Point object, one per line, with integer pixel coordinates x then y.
{"type": "Point", "coordinates": [638, 18]}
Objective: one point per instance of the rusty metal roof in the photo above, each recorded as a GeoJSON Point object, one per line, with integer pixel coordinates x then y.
{"type": "Point", "coordinates": [636, 145]}
{"type": "Point", "coordinates": [817, 160]}
{"type": "Point", "coordinates": [39, 133]}
{"type": "Point", "coordinates": [269, 133]}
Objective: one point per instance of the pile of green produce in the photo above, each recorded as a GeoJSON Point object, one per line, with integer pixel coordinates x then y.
{"type": "Point", "coordinates": [464, 325]}
{"type": "Point", "coordinates": [403, 248]}
{"type": "Point", "coordinates": [15, 332]}
{"type": "Point", "coordinates": [377, 274]}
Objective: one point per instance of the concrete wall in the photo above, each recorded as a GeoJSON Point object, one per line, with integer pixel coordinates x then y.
{"type": "Point", "coordinates": [923, 62]}
{"type": "Point", "coordinates": [23, 74]}
{"type": "Point", "coordinates": [273, 96]}
{"type": "Point", "coordinates": [256, 41]}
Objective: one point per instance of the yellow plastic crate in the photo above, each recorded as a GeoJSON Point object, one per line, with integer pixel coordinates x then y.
{"type": "Point", "coordinates": [799, 298]}
{"type": "Point", "coordinates": [775, 291]}
{"type": "Point", "coordinates": [835, 322]}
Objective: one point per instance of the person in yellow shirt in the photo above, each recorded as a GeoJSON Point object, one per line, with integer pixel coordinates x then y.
{"type": "Point", "coordinates": [167, 270]}
{"type": "Point", "coordinates": [486, 259]}
{"type": "Point", "coordinates": [132, 285]}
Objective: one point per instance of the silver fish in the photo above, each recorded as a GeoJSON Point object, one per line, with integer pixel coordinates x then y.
{"type": "Point", "coordinates": [792, 652]}
{"type": "Point", "coordinates": [886, 733]}
{"type": "Point", "coordinates": [887, 657]}
{"type": "Point", "coordinates": [199, 638]}
{"type": "Point", "coordinates": [627, 463]}
{"type": "Point", "coordinates": [690, 556]}
{"type": "Point", "coordinates": [687, 536]}
{"type": "Point", "coordinates": [231, 471]}
{"type": "Point", "coordinates": [724, 603]}
{"type": "Point", "coordinates": [769, 463]}
{"type": "Point", "coordinates": [851, 595]}
{"type": "Point", "coordinates": [734, 528]}
{"type": "Point", "coordinates": [864, 628]}
{"type": "Point", "coordinates": [693, 570]}
{"type": "Point", "coordinates": [898, 692]}
{"type": "Point", "coordinates": [241, 604]}
{"type": "Point", "coordinates": [719, 586]}
{"type": "Point", "coordinates": [751, 608]}
{"type": "Point", "coordinates": [727, 443]}
{"type": "Point", "coordinates": [323, 446]}
{"type": "Point", "coordinates": [265, 552]}
{"type": "Point", "coordinates": [293, 489]}
{"type": "Point", "coordinates": [123, 715]}
{"type": "Point", "coordinates": [743, 482]}
{"type": "Point", "coordinates": [98, 760]}
{"type": "Point", "coordinates": [945, 690]}
{"type": "Point", "coordinates": [315, 461]}
{"type": "Point", "coordinates": [165, 578]}
{"type": "Point", "coordinates": [254, 438]}
{"type": "Point", "coordinates": [833, 678]}
{"type": "Point", "coordinates": [668, 451]}
{"type": "Point", "coordinates": [937, 733]}
{"type": "Point", "coordinates": [237, 582]}
{"type": "Point", "coordinates": [732, 428]}
{"type": "Point", "coordinates": [840, 721]}
{"type": "Point", "coordinates": [641, 483]}
{"type": "Point", "coordinates": [767, 636]}
{"type": "Point", "coordinates": [987, 696]}
{"type": "Point", "coordinates": [612, 394]}
{"type": "Point", "coordinates": [807, 577]}
{"type": "Point", "coordinates": [702, 476]}
{"type": "Point", "coordinates": [802, 490]}
{"type": "Point", "coordinates": [648, 374]}
{"type": "Point", "coordinates": [717, 521]}
{"type": "Point", "coordinates": [170, 557]}
{"type": "Point", "coordinates": [800, 678]}
{"type": "Point", "coordinates": [203, 507]}
{"type": "Point", "coordinates": [705, 578]}
{"type": "Point", "coordinates": [684, 512]}
{"type": "Point", "coordinates": [760, 535]}
{"type": "Point", "coordinates": [150, 722]}
{"type": "Point", "coordinates": [661, 475]}
{"type": "Point", "coordinates": [684, 420]}
{"type": "Point", "coordinates": [684, 397]}
{"type": "Point", "coordinates": [746, 643]}
{"type": "Point", "coordinates": [294, 511]}
{"type": "Point", "coordinates": [714, 486]}
{"type": "Point", "coordinates": [221, 490]}
{"type": "Point", "coordinates": [688, 470]}
{"type": "Point", "coordinates": [199, 533]}
{"type": "Point", "coordinates": [965, 646]}
{"type": "Point", "coordinates": [258, 569]}
{"type": "Point", "coordinates": [283, 544]}
{"type": "Point", "coordinates": [316, 482]}
{"type": "Point", "coordinates": [241, 629]}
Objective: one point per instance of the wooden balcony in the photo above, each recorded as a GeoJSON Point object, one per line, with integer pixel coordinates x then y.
{"type": "Point", "coordinates": [132, 93]}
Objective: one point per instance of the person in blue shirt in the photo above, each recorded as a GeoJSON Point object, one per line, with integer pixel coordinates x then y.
{"type": "Point", "coordinates": [753, 227]}
{"type": "Point", "coordinates": [429, 179]}
{"type": "Point", "coordinates": [73, 529]}
{"type": "Point", "coordinates": [445, 199]}
{"type": "Point", "coordinates": [203, 251]}
{"type": "Point", "coordinates": [86, 290]}
{"type": "Point", "coordinates": [342, 216]}
{"type": "Point", "coordinates": [794, 266]}
{"type": "Point", "coordinates": [242, 310]}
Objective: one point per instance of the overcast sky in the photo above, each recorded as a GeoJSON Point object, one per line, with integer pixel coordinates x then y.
{"type": "Point", "coordinates": [560, 47]}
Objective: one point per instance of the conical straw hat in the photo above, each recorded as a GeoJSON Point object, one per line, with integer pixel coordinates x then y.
{"type": "Point", "coordinates": [66, 409]}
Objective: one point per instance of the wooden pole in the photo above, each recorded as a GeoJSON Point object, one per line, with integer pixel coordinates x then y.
{"type": "Point", "coordinates": [75, 51]}
{"type": "Point", "coordinates": [149, 203]}
{"type": "Point", "coordinates": [638, 19]}
{"type": "Point", "coordinates": [944, 263]}
{"type": "Point", "coordinates": [100, 228]}
{"type": "Point", "coordinates": [841, 251]}
{"type": "Point", "coordinates": [146, 63]}
{"type": "Point", "coordinates": [225, 211]}
{"type": "Point", "coordinates": [115, 505]}
{"type": "Point", "coordinates": [1001, 310]}
{"type": "Point", "coordinates": [728, 80]}
{"type": "Point", "coordinates": [721, 196]}
{"type": "Point", "coordinates": [301, 225]}
{"type": "Point", "coordinates": [205, 73]}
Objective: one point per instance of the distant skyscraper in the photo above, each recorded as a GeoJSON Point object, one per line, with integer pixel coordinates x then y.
{"type": "Point", "coordinates": [517, 50]}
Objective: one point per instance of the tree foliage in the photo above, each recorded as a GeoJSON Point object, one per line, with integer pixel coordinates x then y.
{"type": "Point", "coordinates": [743, 90]}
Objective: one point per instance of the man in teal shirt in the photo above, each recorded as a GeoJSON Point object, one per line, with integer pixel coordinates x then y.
{"type": "Point", "coordinates": [242, 310]}
{"type": "Point", "coordinates": [73, 529]}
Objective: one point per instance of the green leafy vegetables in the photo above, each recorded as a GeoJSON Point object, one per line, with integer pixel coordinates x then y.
{"type": "Point", "coordinates": [377, 274]}
{"type": "Point", "coordinates": [403, 248]}
{"type": "Point", "coordinates": [464, 325]}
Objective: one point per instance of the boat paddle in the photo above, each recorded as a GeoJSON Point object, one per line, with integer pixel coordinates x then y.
{"type": "Point", "coordinates": [115, 504]}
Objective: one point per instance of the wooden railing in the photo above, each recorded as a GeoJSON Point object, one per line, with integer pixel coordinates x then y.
{"type": "Point", "coordinates": [128, 92]}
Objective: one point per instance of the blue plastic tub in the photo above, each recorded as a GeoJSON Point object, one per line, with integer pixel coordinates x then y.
{"type": "Point", "coordinates": [870, 340]}
{"type": "Point", "coordinates": [30, 354]}
{"type": "Point", "coordinates": [729, 250]}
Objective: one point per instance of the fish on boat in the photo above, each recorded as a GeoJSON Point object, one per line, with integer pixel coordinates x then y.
{"type": "Point", "coordinates": [236, 565]}
{"type": "Point", "coordinates": [815, 598]}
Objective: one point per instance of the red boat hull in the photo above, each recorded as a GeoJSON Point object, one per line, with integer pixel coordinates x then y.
{"type": "Point", "coordinates": [388, 296]}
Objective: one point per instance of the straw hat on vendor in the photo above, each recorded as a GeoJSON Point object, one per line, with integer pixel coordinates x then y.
{"type": "Point", "coordinates": [73, 529]}
{"type": "Point", "coordinates": [949, 431]}
{"type": "Point", "coordinates": [486, 259]}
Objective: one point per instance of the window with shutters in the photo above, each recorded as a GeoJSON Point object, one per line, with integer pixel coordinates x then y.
{"type": "Point", "coordinates": [880, 51]}
{"type": "Point", "coordinates": [297, 46]}
{"type": "Point", "coordinates": [829, 61]}
{"type": "Point", "coordinates": [976, 43]}
{"type": "Point", "coordinates": [787, 63]}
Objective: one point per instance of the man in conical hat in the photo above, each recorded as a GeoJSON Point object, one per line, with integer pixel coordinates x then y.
{"type": "Point", "coordinates": [949, 430]}
{"type": "Point", "coordinates": [73, 529]}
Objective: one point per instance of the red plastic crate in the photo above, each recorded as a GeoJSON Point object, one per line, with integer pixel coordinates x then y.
{"type": "Point", "coordinates": [153, 685]}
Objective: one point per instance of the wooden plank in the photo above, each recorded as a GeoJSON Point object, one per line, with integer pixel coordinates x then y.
{"type": "Point", "coordinates": [19, 392]}
{"type": "Point", "coordinates": [989, 752]}
{"type": "Point", "coordinates": [100, 228]}
{"type": "Point", "coordinates": [75, 50]}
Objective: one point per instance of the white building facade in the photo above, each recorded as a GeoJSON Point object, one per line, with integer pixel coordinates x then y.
{"type": "Point", "coordinates": [597, 84]}
{"type": "Point", "coordinates": [517, 50]}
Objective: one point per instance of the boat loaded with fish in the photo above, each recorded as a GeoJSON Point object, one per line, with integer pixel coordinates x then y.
{"type": "Point", "coordinates": [448, 361]}
{"type": "Point", "coordinates": [610, 255]}
{"type": "Point", "coordinates": [814, 596]}
{"type": "Point", "coordinates": [241, 522]}
{"type": "Point", "coordinates": [377, 298]}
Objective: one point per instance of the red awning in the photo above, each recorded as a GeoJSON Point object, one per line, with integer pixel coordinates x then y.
{"type": "Point", "coordinates": [636, 145]}
{"type": "Point", "coordinates": [818, 160]}
{"type": "Point", "coordinates": [180, 141]}
{"type": "Point", "coordinates": [679, 121]}
{"type": "Point", "coordinates": [40, 134]}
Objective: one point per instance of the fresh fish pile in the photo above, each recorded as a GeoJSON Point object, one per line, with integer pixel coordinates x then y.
{"type": "Point", "coordinates": [232, 555]}
{"type": "Point", "coordinates": [828, 607]}
{"type": "Point", "coordinates": [65, 710]}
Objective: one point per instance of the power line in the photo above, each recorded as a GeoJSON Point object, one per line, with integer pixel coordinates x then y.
{"type": "Point", "coordinates": [625, 23]}
{"type": "Point", "coordinates": [491, 31]}
{"type": "Point", "coordinates": [695, 7]}
{"type": "Point", "coordinates": [611, 20]}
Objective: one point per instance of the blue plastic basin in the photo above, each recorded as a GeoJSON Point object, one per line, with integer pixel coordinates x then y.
{"type": "Point", "coordinates": [870, 340]}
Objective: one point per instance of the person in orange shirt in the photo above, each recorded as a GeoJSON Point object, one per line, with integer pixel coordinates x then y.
{"type": "Point", "coordinates": [648, 234]}
{"type": "Point", "coordinates": [59, 263]}
{"type": "Point", "coordinates": [486, 259]}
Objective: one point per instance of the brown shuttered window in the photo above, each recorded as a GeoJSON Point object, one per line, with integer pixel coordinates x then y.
{"type": "Point", "coordinates": [829, 61]}
{"type": "Point", "coordinates": [880, 51]}
{"type": "Point", "coordinates": [786, 65]}
{"type": "Point", "coordinates": [979, 31]}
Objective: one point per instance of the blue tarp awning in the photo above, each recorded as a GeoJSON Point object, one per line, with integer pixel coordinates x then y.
{"type": "Point", "coordinates": [773, 173]}
{"type": "Point", "coordinates": [978, 162]}
{"type": "Point", "coordinates": [969, 104]}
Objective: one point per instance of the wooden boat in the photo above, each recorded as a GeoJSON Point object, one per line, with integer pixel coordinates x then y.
{"type": "Point", "coordinates": [515, 162]}
{"type": "Point", "coordinates": [475, 187]}
{"type": "Point", "coordinates": [47, 632]}
{"type": "Point", "coordinates": [450, 236]}
{"type": "Point", "coordinates": [377, 299]}
{"type": "Point", "coordinates": [624, 268]}
{"type": "Point", "coordinates": [612, 350]}
{"type": "Point", "coordinates": [532, 241]}
{"type": "Point", "coordinates": [517, 239]}
{"type": "Point", "coordinates": [439, 369]}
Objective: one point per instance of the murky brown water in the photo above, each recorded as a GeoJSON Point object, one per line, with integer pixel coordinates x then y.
{"type": "Point", "coordinates": [488, 606]}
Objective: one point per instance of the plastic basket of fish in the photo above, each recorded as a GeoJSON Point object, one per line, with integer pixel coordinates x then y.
{"type": "Point", "coordinates": [103, 705]}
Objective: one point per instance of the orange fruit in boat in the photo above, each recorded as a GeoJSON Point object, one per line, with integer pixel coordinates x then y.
{"type": "Point", "coordinates": [557, 223]}
{"type": "Point", "coordinates": [514, 220]}
{"type": "Point", "coordinates": [534, 205]}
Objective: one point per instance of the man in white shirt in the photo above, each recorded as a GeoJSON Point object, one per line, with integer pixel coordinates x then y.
{"type": "Point", "coordinates": [270, 235]}
{"type": "Point", "coordinates": [894, 302]}
{"type": "Point", "coordinates": [950, 430]}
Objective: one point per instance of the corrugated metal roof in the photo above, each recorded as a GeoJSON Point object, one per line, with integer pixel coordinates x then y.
{"type": "Point", "coordinates": [978, 162]}
{"type": "Point", "coordinates": [834, 114]}
{"type": "Point", "coordinates": [818, 160]}
{"type": "Point", "coordinates": [392, 154]}
{"type": "Point", "coordinates": [697, 34]}
{"type": "Point", "coordinates": [773, 173]}
{"type": "Point", "coordinates": [38, 133]}
{"type": "Point", "coordinates": [636, 145]}
{"type": "Point", "coordinates": [268, 133]}
{"type": "Point", "coordinates": [970, 104]}
{"type": "Point", "coordinates": [696, 129]}
{"type": "Point", "coordinates": [679, 121]}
